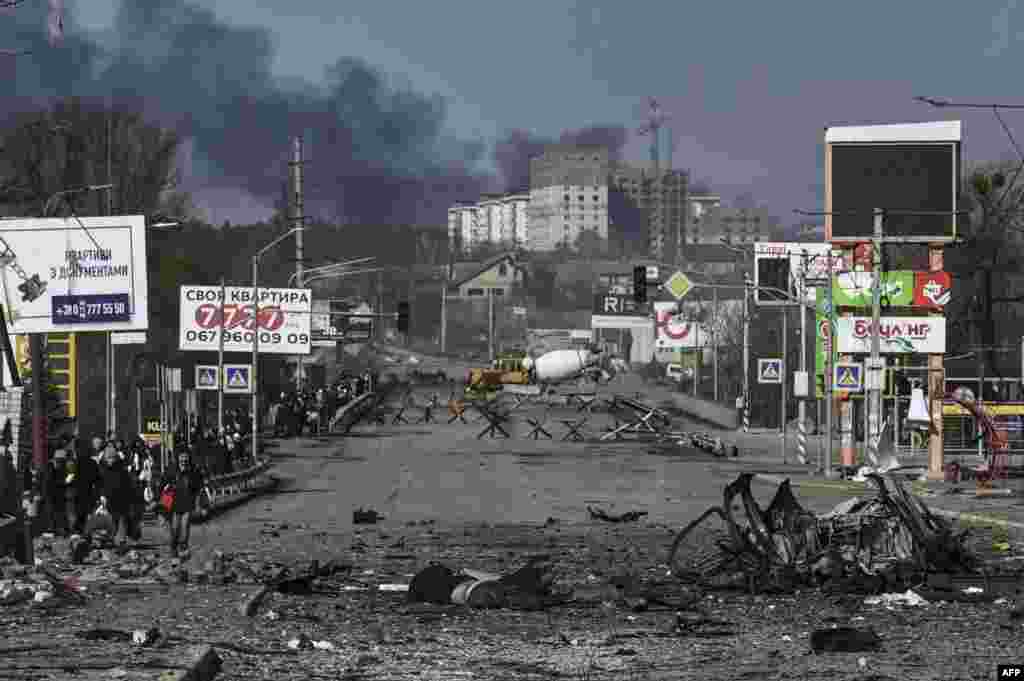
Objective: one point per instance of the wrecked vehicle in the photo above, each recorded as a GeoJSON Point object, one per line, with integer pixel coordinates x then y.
{"type": "Point", "coordinates": [885, 540]}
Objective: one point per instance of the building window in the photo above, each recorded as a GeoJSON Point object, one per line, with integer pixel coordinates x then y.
{"type": "Point", "coordinates": [502, 270]}
{"type": "Point", "coordinates": [475, 292]}
{"type": "Point", "coordinates": [498, 291]}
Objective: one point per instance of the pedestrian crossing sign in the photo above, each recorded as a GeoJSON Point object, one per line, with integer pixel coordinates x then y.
{"type": "Point", "coordinates": [769, 370]}
{"type": "Point", "coordinates": [206, 377]}
{"type": "Point", "coordinates": [237, 378]}
{"type": "Point", "coordinates": [848, 376]}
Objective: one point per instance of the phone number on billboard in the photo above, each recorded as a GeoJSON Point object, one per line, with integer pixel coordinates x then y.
{"type": "Point", "coordinates": [267, 338]}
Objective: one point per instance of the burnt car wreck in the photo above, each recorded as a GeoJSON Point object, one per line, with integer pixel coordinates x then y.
{"type": "Point", "coordinates": [885, 541]}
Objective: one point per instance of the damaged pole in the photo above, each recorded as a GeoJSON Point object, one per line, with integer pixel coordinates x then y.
{"type": "Point", "coordinates": [828, 342]}
{"type": "Point", "coordinates": [874, 371]}
{"type": "Point", "coordinates": [785, 380]}
{"type": "Point", "coordinates": [746, 353]}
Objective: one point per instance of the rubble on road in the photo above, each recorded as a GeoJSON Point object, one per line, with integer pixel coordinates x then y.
{"type": "Point", "coordinates": [891, 538]}
{"type": "Point", "coordinates": [627, 517]}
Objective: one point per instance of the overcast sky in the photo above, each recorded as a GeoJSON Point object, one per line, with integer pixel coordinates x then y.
{"type": "Point", "coordinates": [749, 85]}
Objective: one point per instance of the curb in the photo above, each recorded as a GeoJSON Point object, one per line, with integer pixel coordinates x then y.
{"type": "Point", "coordinates": [205, 665]}
{"type": "Point", "coordinates": [961, 516]}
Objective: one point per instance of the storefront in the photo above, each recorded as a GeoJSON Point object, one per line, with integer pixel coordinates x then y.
{"type": "Point", "coordinates": [622, 327]}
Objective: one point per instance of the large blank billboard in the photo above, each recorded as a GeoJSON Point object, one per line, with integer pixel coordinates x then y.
{"type": "Point", "coordinates": [899, 168]}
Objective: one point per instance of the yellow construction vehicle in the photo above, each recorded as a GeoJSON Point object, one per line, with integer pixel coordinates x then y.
{"type": "Point", "coordinates": [506, 369]}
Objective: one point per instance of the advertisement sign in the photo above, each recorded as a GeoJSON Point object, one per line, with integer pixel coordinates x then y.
{"type": "Point", "coordinates": [616, 305]}
{"type": "Point", "coordinates": [854, 289]}
{"type": "Point", "coordinates": [780, 265]}
{"type": "Point", "coordinates": [932, 289]}
{"type": "Point", "coordinates": [674, 332]}
{"type": "Point", "coordinates": [284, 319]}
{"type": "Point", "coordinates": [337, 324]}
{"type": "Point", "coordinates": [92, 273]}
{"type": "Point", "coordinates": [925, 335]}
{"type": "Point", "coordinates": [822, 342]}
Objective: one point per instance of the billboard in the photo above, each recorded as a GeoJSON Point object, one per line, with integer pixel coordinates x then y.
{"type": "Point", "coordinates": [899, 335]}
{"type": "Point", "coordinates": [284, 319]}
{"type": "Point", "coordinates": [93, 271]}
{"type": "Point", "coordinates": [333, 323]}
{"type": "Point", "coordinates": [899, 168]}
{"type": "Point", "coordinates": [856, 289]}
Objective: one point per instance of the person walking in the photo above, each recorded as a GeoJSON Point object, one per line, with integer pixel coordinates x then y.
{"type": "Point", "coordinates": [185, 483]}
{"type": "Point", "coordinates": [117, 491]}
{"type": "Point", "coordinates": [85, 482]}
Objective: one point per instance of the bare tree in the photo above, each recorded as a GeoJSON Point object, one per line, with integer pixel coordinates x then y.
{"type": "Point", "coordinates": [986, 262]}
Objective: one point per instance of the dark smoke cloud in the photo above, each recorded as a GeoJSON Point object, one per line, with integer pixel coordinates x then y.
{"type": "Point", "coordinates": [377, 153]}
{"type": "Point", "coordinates": [513, 152]}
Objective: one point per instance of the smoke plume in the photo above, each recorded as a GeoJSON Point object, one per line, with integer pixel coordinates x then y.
{"type": "Point", "coordinates": [378, 153]}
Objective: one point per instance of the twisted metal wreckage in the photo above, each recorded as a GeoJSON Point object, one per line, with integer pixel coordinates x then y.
{"type": "Point", "coordinates": [891, 537]}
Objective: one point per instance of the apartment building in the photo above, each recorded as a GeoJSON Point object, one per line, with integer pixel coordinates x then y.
{"type": "Point", "coordinates": [568, 195]}
{"type": "Point", "coordinates": [500, 219]}
{"type": "Point", "coordinates": [660, 197]}
{"type": "Point", "coordinates": [733, 225]}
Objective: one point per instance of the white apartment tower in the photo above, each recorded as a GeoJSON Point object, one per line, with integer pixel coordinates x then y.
{"type": "Point", "coordinates": [500, 219]}
{"type": "Point", "coordinates": [568, 195]}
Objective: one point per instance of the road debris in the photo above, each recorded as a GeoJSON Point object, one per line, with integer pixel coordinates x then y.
{"type": "Point", "coordinates": [366, 516]}
{"type": "Point", "coordinates": [889, 539]}
{"type": "Point", "coordinates": [908, 597]}
{"type": "Point", "coordinates": [627, 517]}
{"type": "Point", "coordinates": [844, 640]}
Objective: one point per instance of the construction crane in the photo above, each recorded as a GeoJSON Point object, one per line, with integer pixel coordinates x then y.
{"type": "Point", "coordinates": [655, 121]}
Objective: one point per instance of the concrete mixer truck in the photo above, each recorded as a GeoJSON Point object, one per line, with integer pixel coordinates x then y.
{"type": "Point", "coordinates": [550, 368]}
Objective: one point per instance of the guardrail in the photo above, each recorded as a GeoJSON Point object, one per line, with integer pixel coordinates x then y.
{"type": "Point", "coordinates": [223, 491]}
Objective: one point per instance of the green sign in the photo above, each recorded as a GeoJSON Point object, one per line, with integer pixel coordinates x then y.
{"type": "Point", "coordinates": [853, 289]}
{"type": "Point", "coordinates": [823, 327]}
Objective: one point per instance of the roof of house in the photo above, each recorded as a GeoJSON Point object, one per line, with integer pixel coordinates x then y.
{"type": "Point", "coordinates": [465, 271]}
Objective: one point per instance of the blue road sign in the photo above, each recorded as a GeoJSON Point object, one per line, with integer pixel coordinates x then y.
{"type": "Point", "coordinates": [237, 378]}
{"type": "Point", "coordinates": [206, 377]}
{"type": "Point", "coordinates": [769, 370]}
{"type": "Point", "coordinates": [848, 377]}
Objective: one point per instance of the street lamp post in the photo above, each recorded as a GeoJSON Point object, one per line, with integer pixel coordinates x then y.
{"type": "Point", "coordinates": [254, 374]}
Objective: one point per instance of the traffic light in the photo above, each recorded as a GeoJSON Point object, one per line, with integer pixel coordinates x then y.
{"type": "Point", "coordinates": [62, 364]}
{"type": "Point", "coordinates": [640, 284]}
{"type": "Point", "coordinates": [31, 288]}
{"type": "Point", "coordinates": [772, 273]}
{"type": "Point", "coordinates": [403, 317]}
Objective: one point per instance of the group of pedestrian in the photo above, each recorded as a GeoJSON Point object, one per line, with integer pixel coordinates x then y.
{"type": "Point", "coordinates": [106, 484]}
{"type": "Point", "coordinates": [298, 412]}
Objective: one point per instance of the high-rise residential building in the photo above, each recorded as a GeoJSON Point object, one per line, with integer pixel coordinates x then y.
{"type": "Point", "coordinates": [701, 218]}
{"type": "Point", "coordinates": [660, 198]}
{"type": "Point", "coordinates": [710, 223]}
{"type": "Point", "coordinates": [568, 195]}
{"type": "Point", "coordinates": [499, 219]}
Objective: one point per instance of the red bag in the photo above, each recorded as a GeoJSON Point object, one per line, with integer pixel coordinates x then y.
{"type": "Point", "coordinates": [167, 499]}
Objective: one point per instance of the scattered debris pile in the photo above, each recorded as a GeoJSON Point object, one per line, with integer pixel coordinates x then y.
{"type": "Point", "coordinates": [882, 541]}
{"type": "Point", "coordinates": [528, 588]}
{"type": "Point", "coordinates": [38, 585]}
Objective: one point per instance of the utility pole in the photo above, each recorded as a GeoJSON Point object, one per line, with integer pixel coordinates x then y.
{"type": "Point", "coordinates": [380, 303]}
{"type": "Point", "coordinates": [111, 417]}
{"type": "Point", "coordinates": [444, 312]}
{"type": "Point", "coordinates": [298, 223]}
{"type": "Point", "coordinates": [746, 353]}
{"type": "Point", "coordinates": [785, 380]}
{"type": "Point", "coordinates": [490, 322]}
{"type": "Point", "coordinates": [714, 336]}
{"type": "Point", "coordinates": [830, 353]}
{"type": "Point", "coordinates": [220, 361]}
{"type": "Point", "coordinates": [874, 372]}
{"type": "Point", "coordinates": [802, 402]}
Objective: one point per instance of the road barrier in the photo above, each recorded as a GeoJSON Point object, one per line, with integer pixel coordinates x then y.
{"type": "Point", "coordinates": [224, 491]}
{"type": "Point", "coordinates": [348, 415]}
